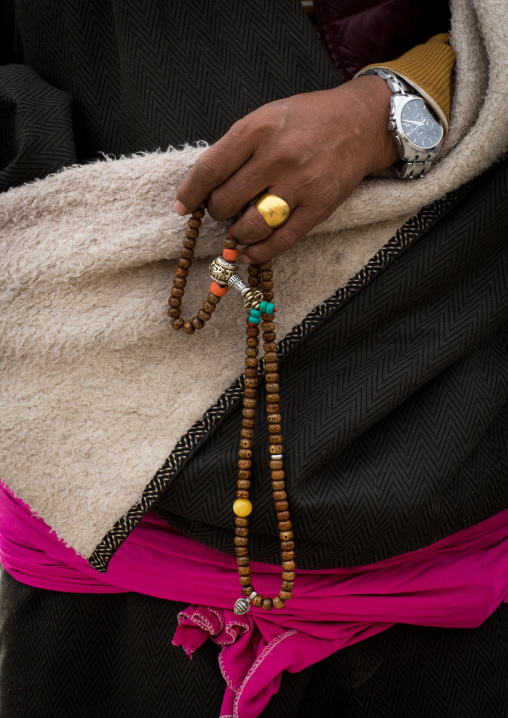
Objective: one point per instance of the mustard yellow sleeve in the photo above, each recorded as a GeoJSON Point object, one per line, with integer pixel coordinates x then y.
{"type": "Point", "coordinates": [428, 68]}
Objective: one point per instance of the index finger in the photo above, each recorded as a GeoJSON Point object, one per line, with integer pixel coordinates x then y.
{"type": "Point", "coordinates": [213, 168]}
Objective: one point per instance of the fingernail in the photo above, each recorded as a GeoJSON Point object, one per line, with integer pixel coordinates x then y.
{"type": "Point", "coordinates": [179, 208]}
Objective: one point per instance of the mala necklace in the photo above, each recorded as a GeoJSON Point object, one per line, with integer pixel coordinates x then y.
{"type": "Point", "coordinates": [257, 296]}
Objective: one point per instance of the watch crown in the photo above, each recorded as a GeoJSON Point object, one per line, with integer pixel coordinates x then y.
{"type": "Point", "coordinates": [392, 125]}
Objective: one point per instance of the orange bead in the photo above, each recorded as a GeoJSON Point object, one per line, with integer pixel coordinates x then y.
{"type": "Point", "coordinates": [218, 290]}
{"type": "Point", "coordinates": [230, 254]}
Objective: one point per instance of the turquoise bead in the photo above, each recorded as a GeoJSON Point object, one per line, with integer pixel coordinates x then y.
{"type": "Point", "coordinates": [255, 313]}
{"type": "Point", "coordinates": [263, 306]}
{"type": "Point", "coordinates": [269, 308]}
{"type": "Point", "coordinates": [254, 320]}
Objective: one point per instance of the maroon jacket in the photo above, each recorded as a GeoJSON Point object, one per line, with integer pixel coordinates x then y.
{"type": "Point", "coordinates": [361, 32]}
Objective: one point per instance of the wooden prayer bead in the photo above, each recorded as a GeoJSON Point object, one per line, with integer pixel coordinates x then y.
{"type": "Point", "coordinates": [251, 362]}
{"type": "Point", "coordinates": [248, 424]}
{"type": "Point", "coordinates": [277, 439]}
{"type": "Point", "coordinates": [242, 561]}
{"type": "Point", "coordinates": [257, 601]}
{"type": "Point", "coordinates": [198, 323]}
{"type": "Point", "coordinates": [287, 544]}
{"type": "Point", "coordinates": [265, 266]}
{"type": "Point", "coordinates": [249, 403]}
{"type": "Point", "coordinates": [288, 575]}
{"type": "Point", "coordinates": [186, 253]}
{"type": "Point", "coordinates": [251, 351]}
{"type": "Point", "coordinates": [272, 387]}
{"type": "Point", "coordinates": [281, 506]}
{"type": "Point", "coordinates": [283, 525]}
{"type": "Point", "coordinates": [245, 579]}
{"type": "Point", "coordinates": [189, 243]}
{"type": "Point", "coordinates": [268, 336]}
{"type": "Point", "coordinates": [241, 541]}
{"type": "Point", "coordinates": [230, 243]}
{"type": "Point", "coordinates": [271, 368]}
{"type": "Point", "coordinates": [253, 281]}
{"type": "Point", "coordinates": [241, 551]}
{"type": "Point", "coordinates": [268, 296]}
{"type": "Point", "coordinates": [181, 272]}
{"type": "Point", "coordinates": [283, 515]}
{"type": "Point", "coordinates": [251, 372]}
{"type": "Point", "coordinates": [249, 413]}
{"type": "Point", "coordinates": [272, 398]}
{"type": "Point", "coordinates": [243, 484]}
{"type": "Point", "coordinates": [270, 348]}
{"type": "Point", "coordinates": [286, 595]}
{"type": "Point", "coordinates": [213, 299]}
{"type": "Point", "coordinates": [242, 521]}
{"type": "Point", "coordinates": [267, 604]}
{"type": "Point", "coordinates": [278, 602]}
{"type": "Point", "coordinates": [178, 323]}
{"type": "Point", "coordinates": [252, 341]}
{"type": "Point", "coordinates": [278, 485]}
{"type": "Point", "coordinates": [280, 496]}
{"type": "Point", "coordinates": [267, 326]}
{"type": "Point", "coordinates": [188, 328]}
{"type": "Point", "coordinates": [287, 585]}
{"type": "Point", "coordinates": [208, 307]}
{"type": "Point", "coordinates": [245, 453]}
{"type": "Point", "coordinates": [271, 377]}
{"type": "Point", "coordinates": [277, 475]}
{"type": "Point", "coordinates": [244, 571]}
{"type": "Point", "coordinates": [244, 463]}
{"type": "Point", "coordinates": [184, 263]}
{"type": "Point", "coordinates": [275, 449]}
{"type": "Point", "coordinates": [174, 302]}
{"type": "Point", "coordinates": [247, 434]}
{"type": "Point", "coordinates": [286, 535]}
{"type": "Point", "coordinates": [198, 213]}
{"type": "Point", "coordinates": [265, 285]}
{"type": "Point", "coordinates": [194, 223]}
{"type": "Point", "coordinates": [242, 494]}
{"type": "Point", "coordinates": [288, 555]}
{"type": "Point", "coordinates": [179, 282]}
{"type": "Point", "coordinates": [245, 443]}
{"type": "Point", "coordinates": [274, 419]}
{"type": "Point", "coordinates": [252, 383]}
{"type": "Point", "coordinates": [274, 428]}
{"type": "Point", "coordinates": [270, 356]}
{"type": "Point", "coordinates": [204, 316]}
{"type": "Point", "coordinates": [254, 270]}
{"type": "Point", "coordinates": [191, 233]}
{"type": "Point", "coordinates": [174, 312]}
{"type": "Point", "coordinates": [241, 531]}
{"type": "Point", "coordinates": [247, 590]}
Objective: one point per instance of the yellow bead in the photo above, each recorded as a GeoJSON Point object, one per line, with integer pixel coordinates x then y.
{"type": "Point", "coordinates": [242, 507]}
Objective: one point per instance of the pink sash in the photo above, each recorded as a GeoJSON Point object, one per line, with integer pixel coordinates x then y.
{"type": "Point", "coordinates": [455, 583]}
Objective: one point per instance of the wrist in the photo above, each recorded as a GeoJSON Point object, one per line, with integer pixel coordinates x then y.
{"type": "Point", "coordinates": [373, 95]}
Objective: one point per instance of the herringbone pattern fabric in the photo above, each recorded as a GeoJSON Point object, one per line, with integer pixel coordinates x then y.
{"type": "Point", "coordinates": [111, 656]}
{"type": "Point", "coordinates": [146, 75]}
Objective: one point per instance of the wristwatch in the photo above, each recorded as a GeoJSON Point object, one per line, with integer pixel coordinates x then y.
{"type": "Point", "coordinates": [415, 127]}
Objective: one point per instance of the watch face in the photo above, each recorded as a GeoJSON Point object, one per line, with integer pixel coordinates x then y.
{"type": "Point", "coordinates": [419, 124]}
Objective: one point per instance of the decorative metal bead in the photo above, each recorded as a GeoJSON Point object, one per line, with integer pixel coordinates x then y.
{"type": "Point", "coordinates": [242, 605]}
{"type": "Point", "coordinates": [276, 457]}
{"type": "Point", "coordinates": [221, 270]}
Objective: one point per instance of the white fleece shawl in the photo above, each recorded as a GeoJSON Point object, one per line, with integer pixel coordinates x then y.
{"type": "Point", "coordinates": [96, 388]}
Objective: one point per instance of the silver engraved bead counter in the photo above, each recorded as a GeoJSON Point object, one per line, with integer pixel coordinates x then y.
{"type": "Point", "coordinates": [242, 605]}
{"type": "Point", "coordinates": [221, 270]}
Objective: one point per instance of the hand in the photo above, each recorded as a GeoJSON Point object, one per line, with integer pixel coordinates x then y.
{"type": "Point", "coordinates": [311, 149]}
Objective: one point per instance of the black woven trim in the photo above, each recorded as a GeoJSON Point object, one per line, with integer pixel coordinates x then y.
{"type": "Point", "coordinates": [404, 237]}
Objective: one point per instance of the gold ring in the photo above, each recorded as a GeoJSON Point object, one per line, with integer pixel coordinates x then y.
{"type": "Point", "coordinates": [273, 209]}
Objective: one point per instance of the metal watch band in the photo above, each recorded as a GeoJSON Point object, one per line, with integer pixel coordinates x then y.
{"type": "Point", "coordinates": [415, 162]}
